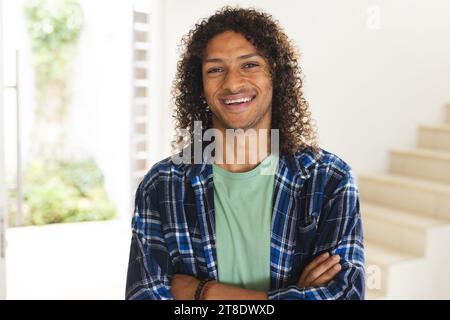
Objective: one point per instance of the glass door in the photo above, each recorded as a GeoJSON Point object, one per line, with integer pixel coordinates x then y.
{"type": "Point", "coordinates": [2, 175]}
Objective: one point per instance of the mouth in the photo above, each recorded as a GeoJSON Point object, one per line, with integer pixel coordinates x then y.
{"type": "Point", "coordinates": [238, 103]}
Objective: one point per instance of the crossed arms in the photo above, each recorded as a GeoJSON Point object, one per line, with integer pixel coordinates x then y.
{"type": "Point", "coordinates": [319, 272]}
{"type": "Point", "coordinates": [153, 275]}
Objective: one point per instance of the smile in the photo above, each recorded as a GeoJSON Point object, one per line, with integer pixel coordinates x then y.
{"type": "Point", "coordinates": [238, 101]}
{"type": "Point", "coordinates": [237, 104]}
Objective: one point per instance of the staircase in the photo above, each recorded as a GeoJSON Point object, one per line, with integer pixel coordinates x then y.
{"type": "Point", "coordinates": [406, 220]}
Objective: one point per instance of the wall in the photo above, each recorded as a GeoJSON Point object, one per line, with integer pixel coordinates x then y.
{"type": "Point", "coordinates": [100, 118]}
{"type": "Point", "coordinates": [369, 82]}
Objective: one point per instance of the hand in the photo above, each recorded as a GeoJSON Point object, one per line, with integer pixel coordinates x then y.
{"type": "Point", "coordinates": [320, 271]}
{"type": "Point", "coordinates": [183, 286]}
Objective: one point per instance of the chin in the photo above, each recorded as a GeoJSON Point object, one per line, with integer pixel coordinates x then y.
{"type": "Point", "coordinates": [240, 125]}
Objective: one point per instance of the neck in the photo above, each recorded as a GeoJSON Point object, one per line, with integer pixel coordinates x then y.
{"type": "Point", "coordinates": [242, 150]}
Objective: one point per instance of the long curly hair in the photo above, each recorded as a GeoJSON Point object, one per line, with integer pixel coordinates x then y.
{"type": "Point", "coordinates": [290, 110]}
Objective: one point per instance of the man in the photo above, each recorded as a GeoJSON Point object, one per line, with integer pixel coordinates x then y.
{"type": "Point", "coordinates": [234, 229]}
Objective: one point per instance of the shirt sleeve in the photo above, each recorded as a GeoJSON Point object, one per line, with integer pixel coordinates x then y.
{"type": "Point", "coordinates": [349, 283]}
{"type": "Point", "coordinates": [150, 266]}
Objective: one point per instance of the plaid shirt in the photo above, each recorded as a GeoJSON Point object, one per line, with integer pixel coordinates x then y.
{"type": "Point", "coordinates": [315, 209]}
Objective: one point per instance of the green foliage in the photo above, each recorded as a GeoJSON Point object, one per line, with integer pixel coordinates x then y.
{"type": "Point", "coordinates": [64, 192]}
{"type": "Point", "coordinates": [54, 27]}
{"type": "Point", "coordinates": [57, 190]}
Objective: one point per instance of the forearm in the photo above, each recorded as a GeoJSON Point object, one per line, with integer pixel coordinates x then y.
{"type": "Point", "coordinates": [183, 287]}
{"type": "Point", "coordinates": [347, 285]}
{"type": "Point", "coordinates": [218, 291]}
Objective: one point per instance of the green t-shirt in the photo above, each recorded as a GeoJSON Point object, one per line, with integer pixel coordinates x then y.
{"type": "Point", "coordinates": [243, 210]}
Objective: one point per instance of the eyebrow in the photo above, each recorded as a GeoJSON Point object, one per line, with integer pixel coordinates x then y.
{"type": "Point", "coordinates": [245, 56]}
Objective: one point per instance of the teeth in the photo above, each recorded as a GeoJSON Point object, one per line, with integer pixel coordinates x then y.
{"type": "Point", "coordinates": [241, 100]}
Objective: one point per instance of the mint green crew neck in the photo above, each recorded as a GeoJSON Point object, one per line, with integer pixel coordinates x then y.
{"type": "Point", "coordinates": [243, 211]}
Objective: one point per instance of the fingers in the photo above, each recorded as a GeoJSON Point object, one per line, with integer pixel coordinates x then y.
{"type": "Point", "coordinates": [322, 268]}
{"type": "Point", "coordinates": [318, 260]}
{"type": "Point", "coordinates": [327, 276]}
{"type": "Point", "coordinates": [319, 268]}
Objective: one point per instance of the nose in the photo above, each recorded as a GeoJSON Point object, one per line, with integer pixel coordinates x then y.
{"type": "Point", "coordinates": [233, 81]}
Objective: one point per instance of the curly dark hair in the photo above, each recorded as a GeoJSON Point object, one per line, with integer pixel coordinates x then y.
{"type": "Point", "coordinates": [290, 110]}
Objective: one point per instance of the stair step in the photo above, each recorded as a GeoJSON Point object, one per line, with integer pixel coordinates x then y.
{"type": "Point", "coordinates": [141, 83]}
{"type": "Point", "coordinates": [140, 17]}
{"type": "Point", "coordinates": [140, 119]}
{"type": "Point", "coordinates": [384, 256]}
{"type": "Point", "coordinates": [421, 163]}
{"type": "Point", "coordinates": [141, 8]}
{"type": "Point", "coordinates": [141, 64]}
{"type": "Point", "coordinates": [141, 27]}
{"type": "Point", "coordinates": [140, 138]}
{"type": "Point", "coordinates": [142, 46]}
{"type": "Point", "coordinates": [140, 101]}
{"type": "Point", "coordinates": [434, 137]}
{"type": "Point", "coordinates": [405, 193]}
{"type": "Point", "coordinates": [141, 155]}
{"type": "Point", "coordinates": [379, 259]}
{"type": "Point", "coordinates": [398, 229]}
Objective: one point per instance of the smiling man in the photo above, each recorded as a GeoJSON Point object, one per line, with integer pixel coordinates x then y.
{"type": "Point", "coordinates": [286, 226]}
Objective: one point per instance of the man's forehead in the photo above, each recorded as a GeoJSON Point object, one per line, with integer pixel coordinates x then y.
{"type": "Point", "coordinates": [229, 44]}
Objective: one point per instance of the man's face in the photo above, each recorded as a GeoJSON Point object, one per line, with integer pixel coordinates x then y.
{"type": "Point", "coordinates": [237, 83]}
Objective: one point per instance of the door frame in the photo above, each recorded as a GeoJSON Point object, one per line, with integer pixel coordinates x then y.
{"type": "Point", "coordinates": [3, 206]}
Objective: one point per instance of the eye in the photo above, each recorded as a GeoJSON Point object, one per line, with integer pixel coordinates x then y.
{"type": "Point", "coordinates": [214, 70]}
{"type": "Point", "coordinates": [250, 65]}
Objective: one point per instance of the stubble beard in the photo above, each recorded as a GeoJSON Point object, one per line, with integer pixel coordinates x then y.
{"type": "Point", "coordinates": [251, 124]}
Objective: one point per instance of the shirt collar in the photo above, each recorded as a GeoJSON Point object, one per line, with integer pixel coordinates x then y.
{"type": "Point", "coordinates": [299, 165]}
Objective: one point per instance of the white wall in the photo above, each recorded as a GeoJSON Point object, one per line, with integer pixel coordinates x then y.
{"type": "Point", "coordinates": [158, 80]}
{"type": "Point", "coordinates": [368, 88]}
{"type": "Point", "coordinates": [102, 94]}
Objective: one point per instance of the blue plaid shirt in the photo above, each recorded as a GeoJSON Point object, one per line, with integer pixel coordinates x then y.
{"type": "Point", "coordinates": [315, 209]}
